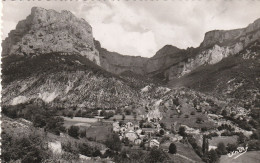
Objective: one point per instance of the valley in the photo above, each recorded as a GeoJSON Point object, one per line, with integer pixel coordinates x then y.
{"type": "Point", "coordinates": [71, 100]}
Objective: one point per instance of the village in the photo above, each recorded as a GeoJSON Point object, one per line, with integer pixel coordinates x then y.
{"type": "Point", "coordinates": [147, 134]}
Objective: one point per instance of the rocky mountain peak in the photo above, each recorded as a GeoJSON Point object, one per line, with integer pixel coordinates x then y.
{"type": "Point", "coordinates": [167, 49]}
{"type": "Point", "coordinates": [46, 31]}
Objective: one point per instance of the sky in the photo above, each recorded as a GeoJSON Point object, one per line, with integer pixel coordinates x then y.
{"type": "Point", "coordinates": [142, 27]}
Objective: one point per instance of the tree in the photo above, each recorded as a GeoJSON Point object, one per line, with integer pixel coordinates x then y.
{"type": "Point", "coordinates": [161, 132]}
{"type": "Point", "coordinates": [97, 153]}
{"type": "Point", "coordinates": [123, 117]}
{"type": "Point", "coordinates": [156, 155]}
{"type": "Point", "coordinates": [199, 120]}
{"type": "Point", "coordinates": [172, 148]}
{"type": "Point", "coordinates": [128, 112]}
{"type": "Point", "coordinates": [176, 101]}
{"type": "Point", "coordinates": [135, 115]}
{"type": "Point", "coordinates": [182, 131]}
{"type": "Point", "coordinates": [55, 125]}
{"type": "Point", "coordinates": [231, 147]}
{"type": "Point", "coordinates": [213, 156]}
{"type": "Point", "coordinates": [224, 113]}
{"type": "Point", "coordinates": [205, 144]}
{"type": "Point", "coordinates": [221, 149]}
{"type": "Point", "coordinates": [78, 114]}
{"type": "Point", "coordinates": [70, 114]}
{"type": "Point", "coordinates": [74, 131]}
{"type": "Point", "coordinates": [142, 145]}
{"type": "Point", "coordinates": [113, 142]}
{"type": "Point", "coordinates": [162, 125]}
{"type": "Point", "coordinates": [126, 141]}
{"type": "Point", "coordinates": [241, 138]}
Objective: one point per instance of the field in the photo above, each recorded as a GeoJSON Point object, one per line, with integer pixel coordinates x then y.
{"type": "Point", "coordinates": [171, 116]}
{"type": "Point", "coordinates": [225, 139]}
{"type": "Point", "coordinates": [127, 117]}
{"type": "Point", "coordinates": [99, 132]}
{"type": "Point", "coordinates": [248, 157]}
{"type": "Point", "coordinates": [187, 151]}
{"type": "Point", "coordinates": [79, 121]}
{"type": "Point", "coordinates": [95, 130]}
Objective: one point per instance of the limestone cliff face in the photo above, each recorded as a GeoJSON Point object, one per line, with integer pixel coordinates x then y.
{"type": "Point", "coordinates": [117, 63]}
{"type": "Point", "coordinates": [216, 46]}
{"type": "Point", "coordinates": [171, 63]}
{"type": "Point", "coordinates": [46, 31]}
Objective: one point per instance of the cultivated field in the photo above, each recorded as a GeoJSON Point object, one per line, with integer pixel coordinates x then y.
{"type": "Point", "coordinates": [187, 151]}
{"type": "Point", "coordinates": [127, 117]}
{"type": "Point", "coordinates": [79, 121]}
{"type": "Point", "coordinates": [225, 139]}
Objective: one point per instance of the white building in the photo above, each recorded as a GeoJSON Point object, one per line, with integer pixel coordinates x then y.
{"type": "Point", "coordinates": [154, 143]}
{"type": "Point", "coordinates": [131, 135]}
{"type": "Point", "coordinates": [138, 141]}
{"type": "Point", "coordinates": [116, 127]}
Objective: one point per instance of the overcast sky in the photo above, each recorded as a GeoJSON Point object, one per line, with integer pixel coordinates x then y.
{"type": "Point", "coordinates": [143, 27]}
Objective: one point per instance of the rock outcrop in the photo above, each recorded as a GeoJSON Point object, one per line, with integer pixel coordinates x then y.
{"type": "Point", "coordinates": [46, 31]}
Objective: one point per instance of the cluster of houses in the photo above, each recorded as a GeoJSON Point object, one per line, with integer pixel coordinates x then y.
{"type": "Point", "coordinates": [135, 134]}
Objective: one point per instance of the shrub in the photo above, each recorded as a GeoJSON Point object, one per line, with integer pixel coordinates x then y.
{"type": "Point", "coordinates": [68, 147]}
{"type": "Point", "coordinates": [186, 116]}
{"type": "Point", "coordinates": [74, 131]}
{"type": "Point", "coordinates": [82, 133]}
{"type": "Point", "coordinates": [85, 149]}
{"type": "Point", "coordinates": [204, 129]}
{"type": "Point", "coordinates": [192, 113]}
{"type": "Point", "coordinates": [214, 134]}
{"type": "Point", "coordinates": [97, 153]}
{"type": "Point", "coordinates": [162, 125]}
{"type": "Point", "coordinates": [164, 139]}
{"type": "Point", "coordinates": [231, 147]}
{"type": "Point", "coordinates": [199, 120]}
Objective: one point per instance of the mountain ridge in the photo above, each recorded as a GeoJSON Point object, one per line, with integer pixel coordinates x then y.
{"type": "Point", "coordinates": [50, 32]}
{"type": "Point", "coordinates": [31, 36]}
